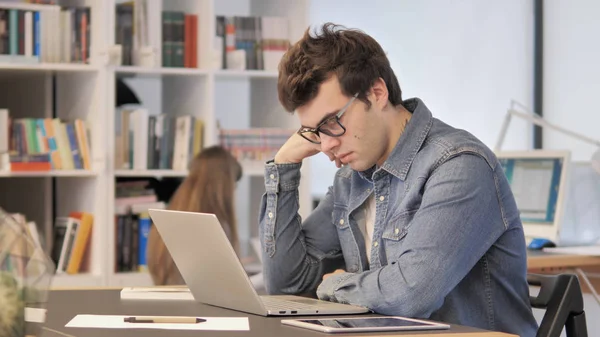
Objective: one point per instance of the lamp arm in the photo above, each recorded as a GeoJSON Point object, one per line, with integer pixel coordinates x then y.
{"type": "Point", "coordinates": [503, 130]}
{"type": "Point", "coordinates": [543, 123]}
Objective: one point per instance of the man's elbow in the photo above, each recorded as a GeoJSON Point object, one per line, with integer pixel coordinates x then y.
{"type": "Point", "coordinates": [415, 303]}
{"type": "Point", "coordinates": [281, 285]}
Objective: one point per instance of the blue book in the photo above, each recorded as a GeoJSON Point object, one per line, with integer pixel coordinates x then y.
{"type": "Point", "coordinates": [36, 33]}
{"type": "Point", "coordinates": [74, 146]}
{"type": "Point", "coordinates": [144, 224]}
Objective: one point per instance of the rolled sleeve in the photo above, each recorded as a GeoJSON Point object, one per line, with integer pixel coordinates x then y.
{"type": "Point", "coordinates": [327, 289]}
{"type": "Point", "coordinates": [278, 178]}
{"type": "Point", "coordinates": [282, 177]}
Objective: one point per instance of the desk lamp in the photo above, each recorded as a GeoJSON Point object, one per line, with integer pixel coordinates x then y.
{"type": "Point", "coordinates": [536, 119]}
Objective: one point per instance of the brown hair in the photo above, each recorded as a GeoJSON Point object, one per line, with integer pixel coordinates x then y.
{"type": "Point", "coordinates": [353, 56]}
{"type": "Point", "coordinates": [208, 188]}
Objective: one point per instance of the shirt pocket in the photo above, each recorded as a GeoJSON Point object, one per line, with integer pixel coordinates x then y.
{"type": "Point", "coordinates": [341, 220]}
{"type": "Point", "coordinates": [395, 231]}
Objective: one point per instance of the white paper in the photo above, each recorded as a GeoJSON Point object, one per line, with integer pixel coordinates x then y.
{"type": "Point", "coordinates": [576, 250]}
{"type": "Point", "coordinates": [116, 322]}
{"type": "Point", "coordinates": [35, 315]}
{"type": "Point", "coordinates": [157, 293]}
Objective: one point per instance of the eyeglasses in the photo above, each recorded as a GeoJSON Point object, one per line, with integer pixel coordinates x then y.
{"type": "Point", "coordinates": [331, 126]}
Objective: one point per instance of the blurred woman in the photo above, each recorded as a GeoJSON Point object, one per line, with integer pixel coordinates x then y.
{"type": "Point", "coordinates": [208, 188]}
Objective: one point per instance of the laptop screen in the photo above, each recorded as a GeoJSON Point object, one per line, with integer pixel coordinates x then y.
{"type": "Point", "coordinates": [535, 183]}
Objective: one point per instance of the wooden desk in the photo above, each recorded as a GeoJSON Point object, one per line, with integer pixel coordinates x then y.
{"type": "Point", "coordinates": [65, 304]}
{"type": "Point", "coordinates": [538, 260]}
{"type": "Point", "coordinates": [585, 266]}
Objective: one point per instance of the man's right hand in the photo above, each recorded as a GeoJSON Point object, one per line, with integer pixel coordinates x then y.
{"type": "Point", "coordinates": [295, 149]}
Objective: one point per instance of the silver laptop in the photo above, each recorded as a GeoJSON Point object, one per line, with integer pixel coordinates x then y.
{"type": "Point", "coordinates": [214, 274]}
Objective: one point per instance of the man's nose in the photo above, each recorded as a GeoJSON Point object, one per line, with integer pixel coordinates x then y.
{"type": "Point", "coordinates": [328, 143]}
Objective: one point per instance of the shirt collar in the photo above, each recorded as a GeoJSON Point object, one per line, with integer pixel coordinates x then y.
{"type": "Point", "coordinates": [400, 159]}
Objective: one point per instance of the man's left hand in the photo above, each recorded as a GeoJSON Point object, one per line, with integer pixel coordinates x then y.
{"type": "Point", "coordinates": [338, 271]}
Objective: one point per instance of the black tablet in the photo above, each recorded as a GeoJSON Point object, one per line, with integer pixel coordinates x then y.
{"type": "Point", "coordinates": [362, 324]}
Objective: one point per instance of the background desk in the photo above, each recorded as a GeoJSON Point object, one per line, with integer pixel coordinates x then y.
{"type": "Point", "coordinates": [539, 260]}
{"type": "Point", "coordinates": [551, 263]}
{"type": "Point", "coordinates": [65, 304]}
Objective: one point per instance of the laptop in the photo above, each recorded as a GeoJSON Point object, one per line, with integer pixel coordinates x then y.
{"type": "Point", "coordinates": [214, 274]}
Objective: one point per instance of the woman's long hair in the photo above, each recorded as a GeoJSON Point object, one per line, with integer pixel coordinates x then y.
{"type": "Point", "coordinates": [208, 188]}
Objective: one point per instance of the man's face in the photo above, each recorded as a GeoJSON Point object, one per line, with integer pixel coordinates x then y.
{"type": "Point", "coordinates": [363, 143]}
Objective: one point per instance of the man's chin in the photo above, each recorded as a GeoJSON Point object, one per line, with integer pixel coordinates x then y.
{"type": "Point", "coordinates": [357, 166]}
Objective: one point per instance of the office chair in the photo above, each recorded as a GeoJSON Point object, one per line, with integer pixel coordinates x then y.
{"type": "Point", "coordinates": [561, 297]}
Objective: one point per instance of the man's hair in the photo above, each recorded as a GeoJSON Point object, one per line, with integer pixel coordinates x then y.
{"type": "Point", "coordinates": [353, 56]}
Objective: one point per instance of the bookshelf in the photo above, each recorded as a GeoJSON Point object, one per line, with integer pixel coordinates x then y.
{"type": "Point", "coordinates": [221, 98]}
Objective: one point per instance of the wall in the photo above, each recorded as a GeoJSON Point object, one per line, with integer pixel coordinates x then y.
{"type": "Point", "coordinates": [466, 59]}
{"type": "Point", "coordinates": [571, 87]}
{"type": "Point", "coordinates": [571, 73]}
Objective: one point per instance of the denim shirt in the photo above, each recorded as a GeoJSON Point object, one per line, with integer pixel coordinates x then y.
{"type": "Point", "coordinates": [447, 245]}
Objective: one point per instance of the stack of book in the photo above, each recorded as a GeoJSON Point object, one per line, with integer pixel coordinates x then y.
{"type": "Point", "coordinates": [132, 224]}
{"type": "Point", "coordinates": [43, 144]}
{"type": "Point", "coordinates": [251, 42]}
{"type": "Point", "coordinates": [71, 242]}
{"type": "Point", "coordinates": [179, 39]}
{"type": "Point", "coordinates": [44, 33]}
{"type": "Point", "coordinates": [145, 142]}
{"type": "Point", "coordinates": [255, 144]}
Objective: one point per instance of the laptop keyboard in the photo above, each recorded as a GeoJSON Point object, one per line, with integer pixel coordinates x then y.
{"type": "Point", "coordinates": [300, 304]}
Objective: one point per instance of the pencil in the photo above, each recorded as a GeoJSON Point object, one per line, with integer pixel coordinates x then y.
{"type": "Point", "coordinates": [163, 319]}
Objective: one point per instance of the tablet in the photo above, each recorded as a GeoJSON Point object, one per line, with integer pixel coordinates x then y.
{"type": "Point", "coordinates": [350, 324]}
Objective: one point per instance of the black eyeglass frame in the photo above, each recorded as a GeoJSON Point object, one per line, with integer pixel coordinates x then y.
{"type": "Point", "coordinates": [318, 130]}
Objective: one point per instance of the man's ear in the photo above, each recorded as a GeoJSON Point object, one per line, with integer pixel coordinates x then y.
{"type": "Point", "coordinates": [380, 93]}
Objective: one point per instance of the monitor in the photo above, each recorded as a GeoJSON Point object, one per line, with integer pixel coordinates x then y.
{"type": "Point", "coordinates": [538, 181]}
{"type": "Point", "coordinates": [581, 220]}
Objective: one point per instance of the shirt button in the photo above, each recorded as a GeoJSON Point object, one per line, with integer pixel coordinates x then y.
{"type": "Point", "coordinates": [272, 176]}
{"type": "Point", "coordinates": [381, 198]}
{"type": "Point", "coordinates": [375, 244]}
{"type": "Point", "coordinates": [396, 231]}
{"type": "Point", "coordinates": [270, 215]}
{"type": "Point", "coordinates": [341, 221]}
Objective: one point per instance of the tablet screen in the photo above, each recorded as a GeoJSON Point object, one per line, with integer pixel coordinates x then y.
{"type": "Point", "coordinates": [366, 322]}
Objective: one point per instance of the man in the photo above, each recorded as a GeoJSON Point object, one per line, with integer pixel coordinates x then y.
{"type": "Point", "coordinates": [420, 220]}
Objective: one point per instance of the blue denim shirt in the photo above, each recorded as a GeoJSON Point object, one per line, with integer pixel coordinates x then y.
{"type": "Point", "coordinates": [448, 243]}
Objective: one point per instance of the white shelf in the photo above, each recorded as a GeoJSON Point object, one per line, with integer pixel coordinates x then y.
{"type": "Point", "coordinates": [235, 98]}
{"type": "Point", "coordinates": [26, 6]}
{"type": "Point", "coordinates": [150, 173]}
{"type": "Point", "coordinates": [132, 70]}
{"type": "Point", "coordinates": [130, 279]}
{"type": "Point", "coordinates": [179, 71]}
{"type": "Point", "coordinates": [253, 168]}
{"type": "Point", "coordinates": [76, 280]}
{"type": "Point", "coordinates": [52, 173]}
{"type": "Point", "coordinates": [48, 67]}
{"type": "Point", "coordinates": [245, 74]}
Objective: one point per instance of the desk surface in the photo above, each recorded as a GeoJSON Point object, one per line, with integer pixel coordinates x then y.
{"type": "Point", "coordinates": [540, 260]}
{"type": "Point", "coordinates": [65, 304]}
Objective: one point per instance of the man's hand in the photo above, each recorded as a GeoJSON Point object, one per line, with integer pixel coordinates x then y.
{"type": "Point", "coordinates": [338, 271]}
{"type": "Point", "coordinates": [295, 149]}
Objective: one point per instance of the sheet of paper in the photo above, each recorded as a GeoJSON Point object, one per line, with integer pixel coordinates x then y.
{"type": "Point", "coordinates": [157, 293]}
{"type": "Point", "coordinates": [577, 250]}
{"type": "Point", "coordinates": [116, 322]}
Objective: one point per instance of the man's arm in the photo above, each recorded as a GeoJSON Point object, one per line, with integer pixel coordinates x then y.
{"type": "Point", "coordinates": [296, 254]}
{"type": "Point", "coordinates": [459, 219]}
